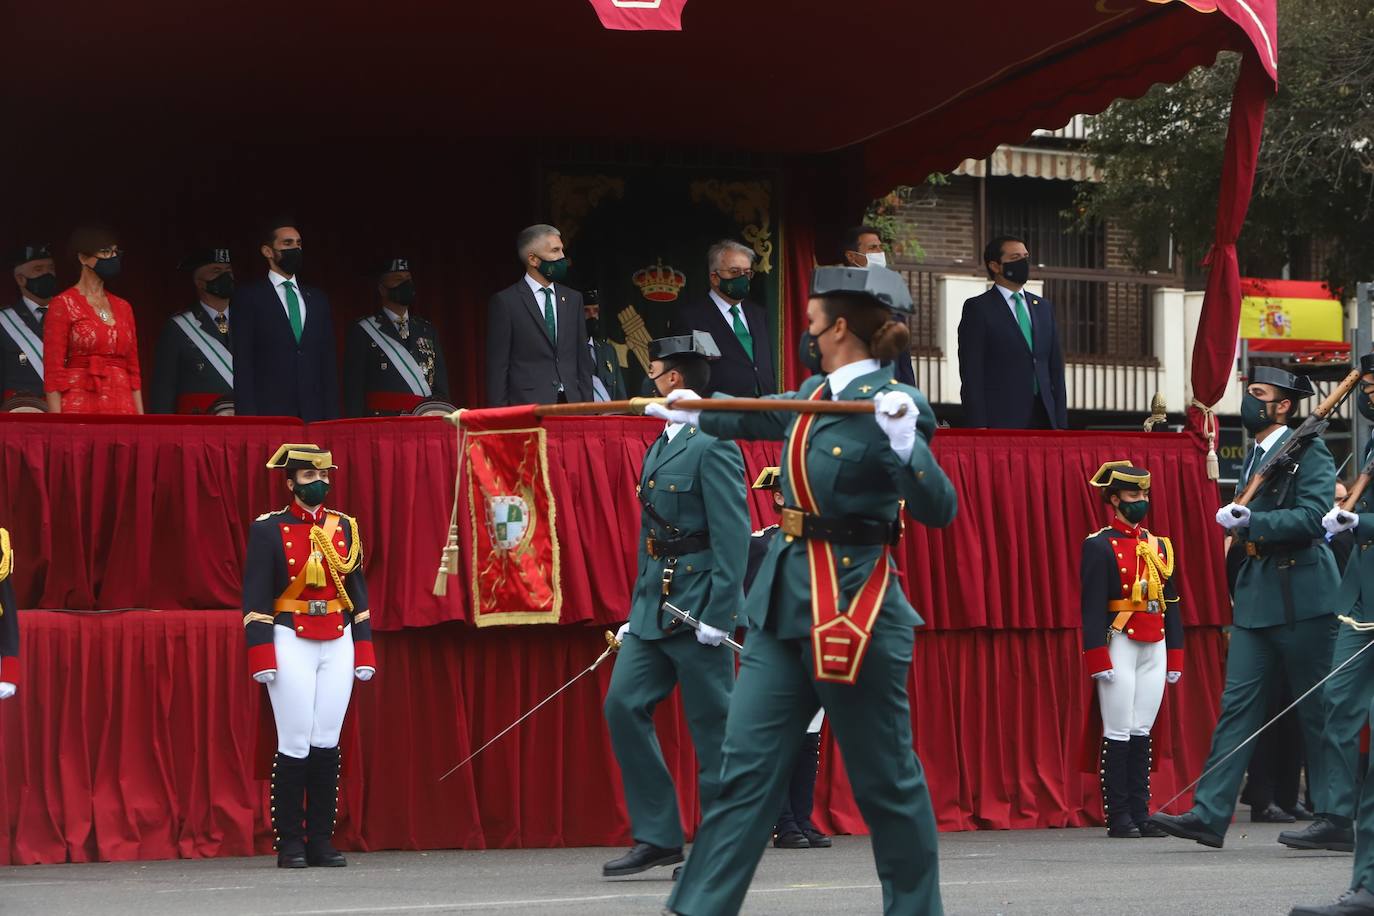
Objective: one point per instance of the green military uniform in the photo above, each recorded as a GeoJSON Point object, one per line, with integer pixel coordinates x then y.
{"type": "Point", "coordinates": [692, 488]}
{"type": "Point", "coordinates": [857, 480]}
{"type": "Point", "coordinates": [1282, 620]}
{"type": "Point", "coordinates": [608, 369]}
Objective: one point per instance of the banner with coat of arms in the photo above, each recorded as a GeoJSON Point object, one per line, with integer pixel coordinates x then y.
{"type": "Point", "coordinates": [514, 549]}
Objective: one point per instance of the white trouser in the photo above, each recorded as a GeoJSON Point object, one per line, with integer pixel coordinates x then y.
{"type": "Point", "coordinates": [1131, 701]}
{"type": "Point", "coordinates": [310, 694]}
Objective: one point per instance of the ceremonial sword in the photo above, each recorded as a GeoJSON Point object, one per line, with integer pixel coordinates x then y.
{"type": "Point", "coordinates": [684, 617]}
{"type": "Point", "coordinates": [612, 644]}
{"type": "Point", "coordinates": [1260, 730]}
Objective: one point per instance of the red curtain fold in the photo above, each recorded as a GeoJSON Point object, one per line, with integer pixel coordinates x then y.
{"type": "Point", "coordinates": [1215, 347]}
{"type": "Point", "coordinates": [130, 515]}
{"type": "Point", "coordinates": [132, 737]}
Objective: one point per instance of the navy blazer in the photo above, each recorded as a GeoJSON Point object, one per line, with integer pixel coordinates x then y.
{"type": "Point", "coordinates": [274, 376]}
{"type": "Point", "coordinates": [734, 373]}
{"type": "Point", "coordinates": [996, 367]}
{"type": "Point", "coordinates": [523, 365]}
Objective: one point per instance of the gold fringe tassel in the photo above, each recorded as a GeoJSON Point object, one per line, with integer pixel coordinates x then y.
{"type": "Point", "coordinates": [448, 557]}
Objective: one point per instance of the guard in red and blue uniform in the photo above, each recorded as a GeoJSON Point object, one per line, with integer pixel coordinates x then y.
{"type": "Point", "coordinates": [1132, 642]}
{"type": "Point", "coordinates": [9, 622]}
{"type": "Point", "coordinates": [305, 614]}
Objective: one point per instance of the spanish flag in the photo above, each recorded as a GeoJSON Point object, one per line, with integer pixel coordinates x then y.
{"type": "Point", "coordinates": [1289, 315]}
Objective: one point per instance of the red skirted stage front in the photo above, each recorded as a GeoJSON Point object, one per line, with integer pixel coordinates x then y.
{"type": "Point", "coordinates": [132, 733]}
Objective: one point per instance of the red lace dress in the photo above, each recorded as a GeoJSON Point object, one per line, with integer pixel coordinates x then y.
{"type": "Point", "coordinates": [93, 365]}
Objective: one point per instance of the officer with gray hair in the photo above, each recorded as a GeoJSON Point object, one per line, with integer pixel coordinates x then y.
{"type": "Point", "coordinates": [536, 335]}
{"type": "Point", "coordinates": [738, 325]}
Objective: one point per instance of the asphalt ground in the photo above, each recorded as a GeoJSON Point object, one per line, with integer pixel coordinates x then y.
{"type": "Point", "coordinates": [993, 872]}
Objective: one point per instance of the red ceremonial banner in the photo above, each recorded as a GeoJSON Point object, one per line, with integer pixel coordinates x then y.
{"type": "Point", "coordinates": [640, 15]}
{"type": "Point", "coordinates": [514, 548]}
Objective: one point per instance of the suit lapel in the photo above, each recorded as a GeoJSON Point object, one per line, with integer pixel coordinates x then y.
{"type": "Point", "coordinates": [26, 315]}
{"type": "Point", "coordinates": [667, 451]}
{"type": "Point", "coordinates": [535, 310]}
{"type": "Point", "coordinates": [1269, 453]}
{"type": "Point", "coordinates": [722, 331]}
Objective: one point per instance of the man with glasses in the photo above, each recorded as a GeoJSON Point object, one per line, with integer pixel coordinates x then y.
{"type": "Point", "coordinates": [285, 360]}
{"type": "Point", "coordinates": [739, 326]}
{"type": "Point", "coordinates": [1010, 363]}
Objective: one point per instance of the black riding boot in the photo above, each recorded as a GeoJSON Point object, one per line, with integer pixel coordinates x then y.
{"type": "Point", "coordinates": [288, 810]}
{"type": "Point", "coordinates": [1138, 763]}
{"type": "Point", "coordinates": [322, 807]}
{"type": "Point", "coordinates": [1116, 795]}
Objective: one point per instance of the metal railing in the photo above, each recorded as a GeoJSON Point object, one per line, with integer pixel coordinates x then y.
{"type": "Point", "coordinates": [1077, 129]}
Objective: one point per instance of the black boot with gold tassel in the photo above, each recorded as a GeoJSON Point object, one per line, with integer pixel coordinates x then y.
{"type": "Point", "coordinates": [1115, 794]}
{"type": "Point", "coordinates": [322, 808]}
{"type": "Point", "coordinates": [288, 810]}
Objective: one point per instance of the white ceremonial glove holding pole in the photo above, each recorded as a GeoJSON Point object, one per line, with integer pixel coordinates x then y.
{"type": "Point", "coordinates": [1105, 677]}
{"type": "Point", "coordinates": [1338, 520]}
{"type": "Point", "coordinates": [620, 633]}
{"type": "Point", "coordinates": [266, 677]}
{"type": "Point", "coordinates": [6, 690]}
{"type": "Point", "coordinates": [709, 636]}
{"type": "Point", "coordinates": [1227, 516]}
{"type": "Point", "coordinates": [667, 412]}
{"type": "Point", "coordinates": [896, 414]}
{"type": "Point", "coordinates": [364, 673]}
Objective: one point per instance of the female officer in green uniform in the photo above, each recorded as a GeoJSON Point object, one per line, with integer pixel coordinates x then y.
{"type": "Point", "coordinates": [829, 624]}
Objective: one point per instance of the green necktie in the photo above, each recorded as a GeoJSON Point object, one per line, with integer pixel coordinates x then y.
{"type": "Point", "coordinates": [549, 323]}
{"type": "Point", "coordinates": [742, 332]}
{"type": "Point", "coordinates": [1023, 319]}
{"type": "Point", "coordinates": [293, 309]}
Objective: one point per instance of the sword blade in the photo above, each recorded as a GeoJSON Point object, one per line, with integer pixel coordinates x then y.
{"type": "Point", "coordinates": [501, 734]}
{"type": "Point", "coordinates": [695, 624]}
{"type": "Point", "coordinates": [1261, 729]}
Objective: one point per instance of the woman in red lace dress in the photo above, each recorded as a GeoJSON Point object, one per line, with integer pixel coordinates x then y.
{"type": "Point", "coordinates": [90, 345]}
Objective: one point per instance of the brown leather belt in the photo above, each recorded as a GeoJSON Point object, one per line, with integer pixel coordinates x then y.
{"type": "Point", "coordinates": [1131, 607]}
{"type": "Point", "coordinates": [316, 608]}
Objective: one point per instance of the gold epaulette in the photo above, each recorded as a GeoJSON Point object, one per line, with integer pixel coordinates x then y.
{"type": "Point", "coordinates": [267, 515]}
{"type": "Point", "coordinates": [1097, 532]}
{"type": "Point", "coordinates": [6, 555]}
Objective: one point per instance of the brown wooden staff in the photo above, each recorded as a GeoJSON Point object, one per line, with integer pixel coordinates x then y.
{"type": "Point", "coordinates": [1313, 425]}
{"type": "Point", "coordinates": [636, 406]}
{"type": "Point", "coordinates": [1357, 489]}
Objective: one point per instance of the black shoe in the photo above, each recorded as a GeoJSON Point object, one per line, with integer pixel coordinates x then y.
{"type": "Point", "coordinates": [1301, 812]}
{"type": "Point", "coordinates": [793, 839]}
{"type": "Point", "coordinates": [1127, 832]}
{"type": "Point", "coordinates": [324, 856]}
{"type": "Point", "coordinates": [1351, 903]}
{"type": "Point", "coordinates": [1271, 815]}
{"type": "Point", "coordinates": [816, 839]}
{"type": "Point", "coordinates": [291, 855]}
{"type": "Point", "coordinates": [1188, 826]}
{"type": "Point", "coordinates": [1320, 834]}
{"type": "Point", "coordinates": [676, 873]}
{"type": "Point", "coordinates": [641, 857]}
{"type": "Point", "coordinates": [1150, 831]}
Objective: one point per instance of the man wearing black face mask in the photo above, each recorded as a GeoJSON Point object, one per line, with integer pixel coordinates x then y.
{"type": "Point", "coordinates": [285, 361]}
{"type": "Point", "coordinates": [392, 359]}
{"type": "Point", "coordinates": [21, 326]}
{"type": "Point", "coordinates": [536, 336]}
{"type": "Point", "coordinates": [608, 384]}
{"type": "Point", "coordinates": [194, 367]}
{"type": "Point", "coordinates": [739, 325]}
{"type": "Point", "coordinates": [1283, 620]}
{"type": "Point", "coordinates": [1010, 362]}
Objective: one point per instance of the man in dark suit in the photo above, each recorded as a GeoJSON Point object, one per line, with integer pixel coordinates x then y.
{"type": "Point", "coordinates": [194, 367]}
{"type": "Point", "coordinates": [1010, 361]}
{"type": "Point", "coordinates": [536, 336]}
{"type": "Point", "coordinates": [392, 359]}
{"type": "Point", "coordinates": [285, 361]}
{"type": "Point", "coordinates": [739, 327]}
{"type": "Point", "coordinates": [21, 326]}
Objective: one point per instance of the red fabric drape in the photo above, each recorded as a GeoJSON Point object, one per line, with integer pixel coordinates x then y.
{"type": "Point", "coordinates": [1215, 347]}
{"type": "Point", "coordinates": [799, 259]}
{"type": "Point", "coordinates": [133, 733]}
{"type": "Point", "coordinates": [154, 514]}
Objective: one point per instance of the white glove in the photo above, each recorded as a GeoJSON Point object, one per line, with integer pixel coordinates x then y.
{"type": "Point", "coordinates": [709, 636]}
{"type": "Point", "coordinates": [1226, 516]}
{"type": "Point", "coordinates": [1173, 676]}
{"type": "Point", "coordinates": [1338, 520]}
{"type": "Point", "coordinates": [364, 673]}
{"type": "Point", "coordinates": [667, 412]}
{"type": "Point", "coordinates": [1105, 676]}
{"type": "Point", "coordinates": [266, 677]}
{"type": "Point", "coordinates": [6, 690]}
{"type": "Point", "coordinates": [896, 414]}
{"type": "Point", "coordinates": [620, 633]}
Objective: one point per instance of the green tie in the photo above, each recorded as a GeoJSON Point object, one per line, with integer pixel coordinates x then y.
{"type": "Point", "coordinates": [293, 309]}
{"type": "Point", "coordinates": [742, 332]}
{"type": "Point", "coordinates": [549, 323]}
{"type": "Point", "coordinates": [1023, 319]}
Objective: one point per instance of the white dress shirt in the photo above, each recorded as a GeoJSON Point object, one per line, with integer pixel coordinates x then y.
{"type": "Point", "coordinates": [537, 289]}
{"type": "Point", "coordinates": [396, 319]}
{"type": "Point", "coordinates": [277, 281]}
{"type": "Point", "coordinates": [725, 307]}
{"type": "Point", "coordinates": [671, 430]}
{"type": "Point", "coordinates": [33, 309]}
{"type": "Point", "coordinates": [839, 379]}
{"type": "Point", "coordinates": [215, 313]}
{"type": "Point", "coordinates": [1007, 294]}
{"type": "Point", "coordinates": [1265, 444]}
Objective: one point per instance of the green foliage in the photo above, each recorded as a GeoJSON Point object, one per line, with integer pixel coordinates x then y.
{"type": "Point", "coordinates": [1161, 154]}
{"type": "Point", "coordinates": [886, 215]}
